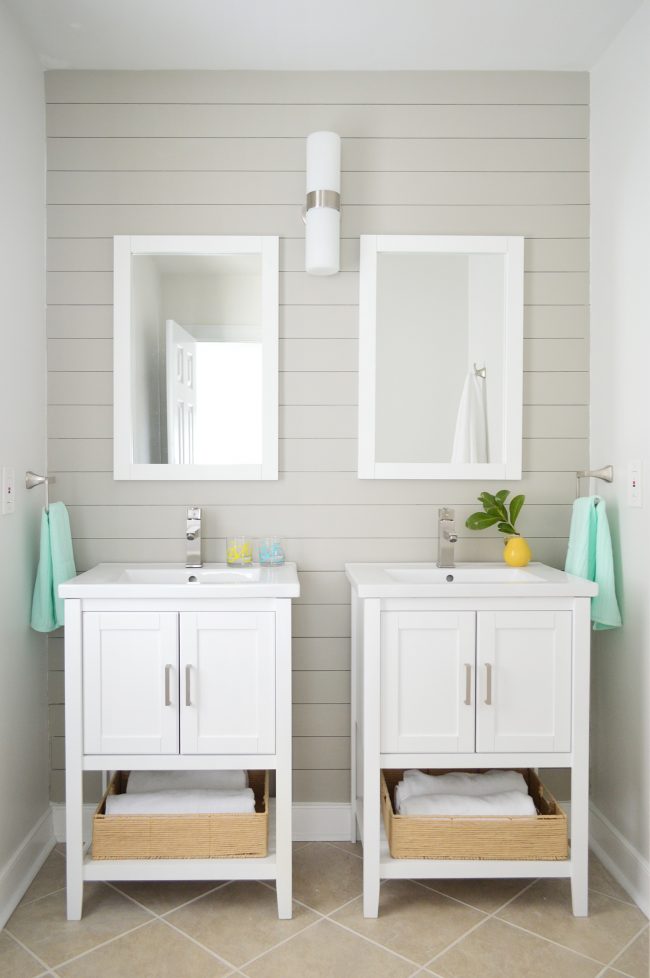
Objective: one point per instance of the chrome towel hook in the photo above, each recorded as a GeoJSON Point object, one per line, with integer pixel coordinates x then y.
{"type": "Point", "coordinates": [480, 371]}
{"type": "Point", "coordinates": [32, 479]}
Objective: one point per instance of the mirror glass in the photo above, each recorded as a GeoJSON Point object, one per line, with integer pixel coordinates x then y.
{"type": "Point", "coordinates": [440, 359]}
{"type": "Point", "coordinates": [200, 359]}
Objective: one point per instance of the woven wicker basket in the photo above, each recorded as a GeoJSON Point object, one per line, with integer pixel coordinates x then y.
{"type": "Point", "coordinates": [182, 836]}
{"type": "Point", "coordinates": [437, 837]}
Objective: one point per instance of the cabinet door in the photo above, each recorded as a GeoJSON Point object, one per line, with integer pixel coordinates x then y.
{"type": "Point", "coordinates": [130, 683]}
{"type": "Point", "coordinates": [228, 682]}
{"type": "Point", "coordinates": [524, 681]}
{"type": "Point", "coordinates": [427, 681]}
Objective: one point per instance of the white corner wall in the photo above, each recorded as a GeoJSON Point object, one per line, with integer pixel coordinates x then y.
{"type": "Point", "coordinates": [620, 431]}
{"type": "Point", "coordinates": [24, 801]}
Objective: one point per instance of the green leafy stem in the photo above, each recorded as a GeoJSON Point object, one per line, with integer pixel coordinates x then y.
{"type": "Point", "coordinates": [496, 510]}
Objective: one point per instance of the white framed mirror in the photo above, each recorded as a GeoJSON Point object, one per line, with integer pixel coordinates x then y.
{"type": "Point", "coordinates": [440, 357]}
{"type": "Point", "coordinates": [195, 357]}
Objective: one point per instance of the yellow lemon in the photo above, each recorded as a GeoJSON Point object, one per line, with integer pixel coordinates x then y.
{"type": "Point", "coordinates": [517, 553]}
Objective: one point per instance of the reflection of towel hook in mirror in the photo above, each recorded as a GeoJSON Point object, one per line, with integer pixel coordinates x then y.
{"type": "Point", "coordinates": [480, 372]}
{"type": "Point", "coordinates": [32, 480]}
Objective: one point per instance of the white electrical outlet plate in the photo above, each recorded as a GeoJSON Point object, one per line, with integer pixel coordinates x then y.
{"type": "Point", "coordinates": [634, 483]}
{"type": "Point", "coordinates": [8, 490]}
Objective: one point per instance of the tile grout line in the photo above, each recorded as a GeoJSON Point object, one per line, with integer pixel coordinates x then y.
{"type": "Point", "coordinates": [610, 896]}
{"type": "Point", "coordinates": [622, 951]}
{"type": "Point", "coordinates": [43, 896]}
{"type": "Point", "coordinates": [480, 923]}
{"type": "Point", "coordinates": [549, 940]}
{"type": "Point", "coordinates": [287, 940]}
{"type": "Point", "coordinates": [46, 967]}
{"type": "Point", "coordinates": [111, 940]}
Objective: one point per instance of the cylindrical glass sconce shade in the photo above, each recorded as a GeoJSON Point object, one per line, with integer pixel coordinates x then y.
{"type": "Point", "coordinates": [323, 223]}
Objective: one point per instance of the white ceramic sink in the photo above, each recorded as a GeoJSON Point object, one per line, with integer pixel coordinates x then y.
{"type": "Point", "coordinates": [178, 581]}
{"type": "Point", "coordinates": [489, 574]}
{"type": "Point", "coordinates": [392, 580]}
{"type": "Point", "coordinates": [189, 575]}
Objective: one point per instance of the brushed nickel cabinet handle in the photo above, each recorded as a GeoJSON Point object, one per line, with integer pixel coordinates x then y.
{"type": "Point", "coordinates": [468, 684]}
{"type": "Point", "coordinates": [488, 676]}
{"type": "Point", "coordinates": [188, 674]}
{"type": "Point", "coordinates": [168, 695]}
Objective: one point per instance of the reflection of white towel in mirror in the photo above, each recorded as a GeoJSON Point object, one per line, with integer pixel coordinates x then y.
{"type": "Point", "coordinates": [470, 437]}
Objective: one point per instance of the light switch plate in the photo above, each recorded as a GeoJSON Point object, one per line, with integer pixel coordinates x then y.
{"type": "Point", "coordinates": [634, 483]}
{"type": "Point", "coordinates": [8, 490]}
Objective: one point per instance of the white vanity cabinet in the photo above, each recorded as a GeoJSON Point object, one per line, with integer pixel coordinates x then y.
{"type": "Point", "coordinates": [465, 681]}
{"type": "Point", "coordinates": [206, 676]}
{"type": "Point", "coordinates": [479, 666]}
{"type": "Point", "coordinates": [178, 673]}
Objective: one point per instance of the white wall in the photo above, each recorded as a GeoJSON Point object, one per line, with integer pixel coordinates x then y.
{"type": "Point", "coordinates": [23, 655]}
{"type": "Point", "coordinates": [620, 431]}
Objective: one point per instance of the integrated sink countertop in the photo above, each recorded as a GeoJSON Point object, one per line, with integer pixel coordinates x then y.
{"type": "Point", "coordinates": [394, 580]}
{"type": "Point", "coordinates": [178, 581]}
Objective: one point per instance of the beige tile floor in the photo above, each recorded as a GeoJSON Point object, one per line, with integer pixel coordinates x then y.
{"type": "Point", "coordinates": [445, 928]}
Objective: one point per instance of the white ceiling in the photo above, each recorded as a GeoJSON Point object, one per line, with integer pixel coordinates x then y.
{"type": "Point", "coordinates": [317, 35]}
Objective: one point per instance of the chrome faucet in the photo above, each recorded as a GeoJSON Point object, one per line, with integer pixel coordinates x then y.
{"type": "Point", "coordinates": [447, 537]}
{"type": "Point", "coordinates": [193, 536]}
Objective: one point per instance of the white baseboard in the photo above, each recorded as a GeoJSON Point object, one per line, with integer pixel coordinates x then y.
{"type": "Point", "coordinates": [624, 862]}
{"type": "Point", "coordinates": [326, 822]}
{"type": "Point", "coordinates": [18, 873]}
{"type": "Point", "coordinates": [321, 822]}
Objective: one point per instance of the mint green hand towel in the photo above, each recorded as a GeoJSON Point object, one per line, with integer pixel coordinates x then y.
{"type": "Point", "coordinates": [590, 556]}
{"type": "Point", "coordinates": [55, 565]}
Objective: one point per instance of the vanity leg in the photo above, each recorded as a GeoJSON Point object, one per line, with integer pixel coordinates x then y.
{"type": "Point", "coordinates": [73, 765]}
{"type": "Point", "coordinates": [371, 760]}
{"type": "Point", "coordinates": [283, 800]}
{"type": "Point", "coordinates": [579, 842]}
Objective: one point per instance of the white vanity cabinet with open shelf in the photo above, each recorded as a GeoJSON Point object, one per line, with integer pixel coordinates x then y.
{"type": "Point", "coordinates": [179, 676]}
{"type": "Point", "coordinates": [456, 671]}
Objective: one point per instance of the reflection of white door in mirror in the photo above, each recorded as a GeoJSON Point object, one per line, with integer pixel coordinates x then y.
{"type": "Point", "coordinates": [196, 357]}
{"type": "Point", "coordinates": [440, 357]}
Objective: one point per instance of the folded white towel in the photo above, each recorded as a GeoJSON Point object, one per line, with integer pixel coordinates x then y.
{"type": "Point", "coordinates": [458, 783]}
{"type": "Point", "coordinates": [184, 802]}
{"type": "Point", "coordinates": [140, 781]}
{"type": "Point", "coordinates": [506, 803]}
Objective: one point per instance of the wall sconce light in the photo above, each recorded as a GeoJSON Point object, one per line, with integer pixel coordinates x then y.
{"type": "Point", "coordinates": [322, 213]}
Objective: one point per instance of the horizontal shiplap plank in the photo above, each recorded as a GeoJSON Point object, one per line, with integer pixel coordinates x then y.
{"type": "Point", "coordinates": [96, 254]}
{"type": "Point", "coordinates": [321, 687]}
{"type": "Point", "coordinates": [556, 354]}
{"type": "Point", "coordinates": [318, 388]}
{"type": "Point", "coordinates": [551, 421]}
{"type": "Point", "coordinates": [321, 653]}
{"type": "Point", "coordinates": [84, 454]}
{"type": "Point", "coordinates": [324, 455]}
{"type": "Point", "coordinates": [80, 354]}
{"type": "Point", "coordinates": [96, 220]}
{"type": "Point", "coordinates": [301, 488]}
{"type": "Point", "coordinates": [318, 421]}
{"type": "Point", "coordinates": [79, 322]}
{"type": "Point", "coordinates": [76, 387]}
{"type": "Point", "coordinates": [357, 154]}
{"type": "Point", "coordinates": [480, 87]}
{"type": "Point", "coordinates": [309, 521]}
{"type": "Point", "coordinates": [556, 322]}
{"type": "Point", "coordinates": [296, 287]}
{"type": "Point", "coordinates": [385, 120]}
{"type": "Point", "coordinates": [321, 786]}
{"type": "Point", "coordinates": [556, 388]}
{"type": "Point", "coordinates": [287, 187]}
{"type": "Point", "coordinates": [328, 587]}
{"type": "Point", "coordinates": [316, 753]}
{"type": "Point", "coordinates": [80, 421]}
{"type": "Point", "coordinates": [556, 455]}
{"type": "Point", "coordinates": [321, 720]}
{"type": "Point", "coordinates": [319, 355]}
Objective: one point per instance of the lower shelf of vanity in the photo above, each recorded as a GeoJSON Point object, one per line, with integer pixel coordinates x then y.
{"type": "Point", "coordinates": [390, 868]}
{"type": "Point", "coordinates": [263, 868]}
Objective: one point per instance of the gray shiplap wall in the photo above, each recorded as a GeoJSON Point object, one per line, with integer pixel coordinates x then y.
{"type": "Point", "coordinates": [223, 153]}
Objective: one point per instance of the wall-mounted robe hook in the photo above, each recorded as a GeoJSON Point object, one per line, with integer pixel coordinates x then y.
{"type": "Point", "coordinates": [480, 371]}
